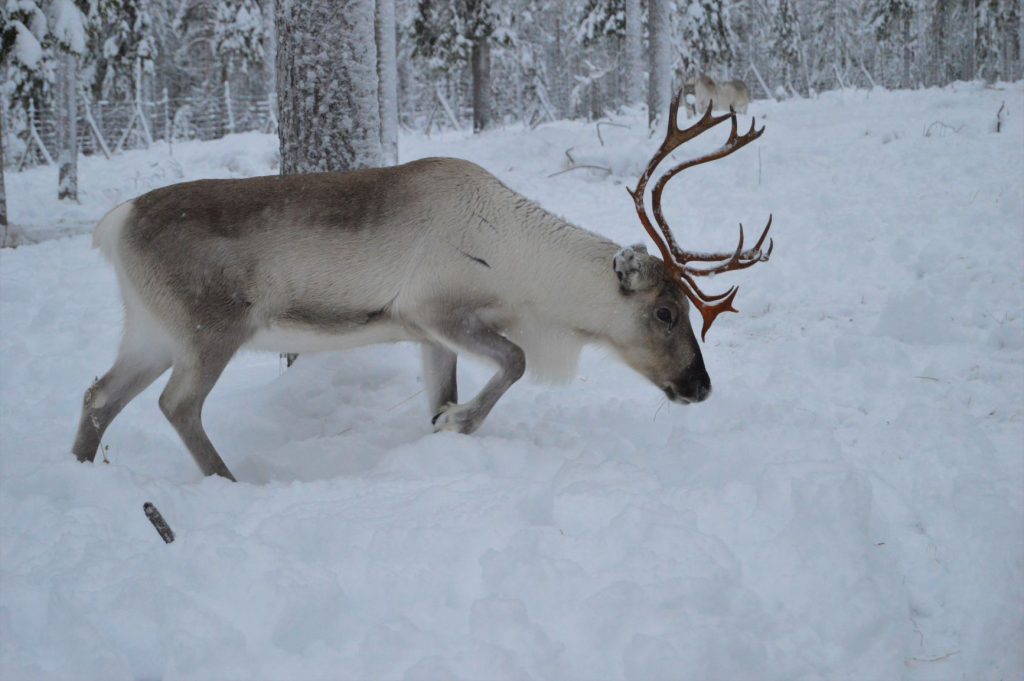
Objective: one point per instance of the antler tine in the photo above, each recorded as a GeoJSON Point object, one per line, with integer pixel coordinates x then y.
{"type": "Point", "coordinates": [674, 137]}
{"type": "Point", "coordinates": [739, 260]}
{"type": "Point", "coordinates": [677, 136]}
{"type": "Point", "coordinates": [709, 306]}
{"type": "Point", "coordinates": [734, 143]}
{"type": "Point", "coordinates": [675, 259]}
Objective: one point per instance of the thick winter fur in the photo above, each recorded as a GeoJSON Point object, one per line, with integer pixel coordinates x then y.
{"type": "Point", "coordinates": [721, 96]}
{"type": "Point", "coordinates": [436, 251]}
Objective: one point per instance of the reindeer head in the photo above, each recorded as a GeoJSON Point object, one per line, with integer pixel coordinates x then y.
{"type": "Point", "coordinates": [660, 343]}
{"type": "Point", "coordinates": [668, 353]}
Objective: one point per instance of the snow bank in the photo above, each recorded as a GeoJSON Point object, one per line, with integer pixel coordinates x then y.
{"type": "Point", "coordinates": [847, 505]}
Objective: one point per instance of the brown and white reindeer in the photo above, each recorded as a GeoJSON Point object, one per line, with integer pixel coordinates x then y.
{"type": "Point", "coordinates": [732, 94]}
{"type": "Point", "coordinates": [436, 251]}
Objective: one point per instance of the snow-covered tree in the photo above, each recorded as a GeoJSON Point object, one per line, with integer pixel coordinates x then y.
{"type": "Point", "coordinates": [703, 41]}
{"type": "Point", "coordinates": [238, 34]}
{"type": "Point", "coordinates": [387, 76]}
{"type": "Point", "coordinates": [327, 88]}
{"type": "Point", "coordinates": [659, 82]}
{"type": "Point", "coordinates": [453, 32]}
{"type": "Point", "coordinates": [601, 18]}
{"type": "Point", "coordinates": [786, 43]}
{"type": "Point", "coordinates": [3, 188]}
{"type": "Point", "coordinates": [600, 34]}
{"type": "Point", "coordinates": [67, 26]}
{"type": "Point", "coordinates": [891, 22]}
{"type": "Point", "coordinates": [43, 43]}
{"type": "Point", "coordinates": [634, 51]}
{"type": "Point", "coordinates": [997, 36]}
{"type": "Point", "coordinates": [833, 40]}
{"type": "Point", "coordinates": [127, 35]}
{"type": "Point", "coordinates": [27, 51]}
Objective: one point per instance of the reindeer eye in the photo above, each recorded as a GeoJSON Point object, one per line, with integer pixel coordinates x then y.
{"type": "Point", "coordinates": [664, 314]}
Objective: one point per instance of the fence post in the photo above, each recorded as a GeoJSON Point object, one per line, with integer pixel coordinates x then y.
{"type": "Point", "coordinates": [167, 124]}
{"type": "Point", "coordinates": [271, 126]}
{"type": "Point", "coordinates": [227, 107]}
{"type": "Point", "coordinates": [97, 133]}
{"type": "Point", "coordinates": [34, 139]}
{"type": "Point", "coordinates": [143, 123]}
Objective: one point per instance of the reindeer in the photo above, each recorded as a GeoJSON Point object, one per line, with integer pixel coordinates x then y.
{"type": "Point", "coordinates": [436, 251]}
{"type": "Point", "coordinates": [721, 96]}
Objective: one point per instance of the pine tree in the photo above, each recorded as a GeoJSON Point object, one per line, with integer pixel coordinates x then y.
{"type": "Point", "coordinates": [786, 43]}
{"type": "Point", "coordinates": [126, 31]}
{"type": "Point", "coordinates": [703, 37]}
{"type": "Point", "coordinates": [997, 49]}
{"type": "Point", "coordinates": [833, 41]}
{"type": "Point", "coordinates": [602, 28]}
{"type": "Point", "coordinates": [69, 35]}
{"type": "Point", "coordinates": [890, 20]}
{"type": "Point", "coordinates": [3, 189]}
{"type": "Point", "coordinates": [43, 44]}
{"type": "Point", "coordinates": [387, 76]}
{"type": "Point", "coordinates": [26, 48]}
{"type": "Point", "coordinates": [939, 30]}
{"type": "Point", "coordinates": [634, 51]}
{"type": "Point", "coordinates": [327, 89]}
{"type": "Point", "coordinates": [238, 35]}
{"type": "Point", "coordinates": [659, 84]}
{"type": "Point", "coordinates": [451, 33]}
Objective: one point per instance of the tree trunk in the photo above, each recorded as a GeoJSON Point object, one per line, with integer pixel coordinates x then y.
{"type": "Point", "coordinates": [558, 89]}
{"type": "Point", "coordinates": [907, 53]}
{"type": "Point", "coordinates": [970, 65]}
{"type": "Point", "coordinates": [387, 74]}
{"type": "Point", "coordinates": [1019, 54]}
{"type": "Point", "coordinates": [481, 58]}
{"type": "Point", "coordinates": [659, 84]}
{"type": "Point", "coordinates": [3, 190]}
{"type": "Point", "coordinates": [939, 69]}
{"type": "Point", "coordinates": [634, 53]}
{"type": "Point", "coordinates": [67, 127]}
{"type": "Point", "coordinates": [327, 89]}
{"type": "Point", "coordinates": [270, 47]}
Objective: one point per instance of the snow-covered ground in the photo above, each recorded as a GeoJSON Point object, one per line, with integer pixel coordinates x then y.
{"type": "Point", "coordinates": [849, 504]}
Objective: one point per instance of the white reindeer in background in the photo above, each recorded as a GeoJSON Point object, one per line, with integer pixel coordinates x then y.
{"type": "Point", "coordinates": [436, 251]}
{"type": "Point", "coordinates": [720, 96]}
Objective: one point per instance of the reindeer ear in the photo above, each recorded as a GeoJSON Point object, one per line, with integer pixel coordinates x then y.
{"type": "Point", "coordinates": [635, 269]}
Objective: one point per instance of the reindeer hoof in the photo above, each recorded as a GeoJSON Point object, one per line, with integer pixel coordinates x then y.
{"type": "Point", "coordinates": [456, 418]}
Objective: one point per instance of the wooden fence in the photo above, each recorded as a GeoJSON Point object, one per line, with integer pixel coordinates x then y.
{"type": "Point", "coordinates": [109, 127]}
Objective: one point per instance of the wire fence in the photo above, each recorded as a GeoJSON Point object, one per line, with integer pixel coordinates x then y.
{"type": "Point", "coordinates": [108, 127]}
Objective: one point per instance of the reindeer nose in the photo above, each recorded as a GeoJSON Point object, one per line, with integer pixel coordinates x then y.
{"type": "Point", "coordinates": [703, 392]}
{"type": "Point", "coordinates": [699, 388]}
{"type": "Point", "coordinates": [693, 387]}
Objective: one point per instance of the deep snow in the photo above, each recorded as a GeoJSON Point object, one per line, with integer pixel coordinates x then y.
{"type": "Point", "coordinates": [848, 504]}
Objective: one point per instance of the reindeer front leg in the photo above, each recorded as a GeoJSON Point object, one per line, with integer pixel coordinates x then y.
{"type": "Point", "coordinates": [439, 377]}
{"type": "Point", "coordinates": [466, 333]}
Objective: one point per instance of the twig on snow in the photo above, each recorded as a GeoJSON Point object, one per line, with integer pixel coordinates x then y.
{"type": "Point", "coordinates": [600, 123]}
{"type": "Point", "coordinates": [396, 406]}
{"type": "Point", "coordinates": [928, 130]}
{"type": "Point", "coordinates": [940, 658]}
{"type": "Point", "coordinates": [583, 165]}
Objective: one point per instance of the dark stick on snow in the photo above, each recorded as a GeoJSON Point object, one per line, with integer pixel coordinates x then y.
{"type": "Point", "coordinates": [165, 531]}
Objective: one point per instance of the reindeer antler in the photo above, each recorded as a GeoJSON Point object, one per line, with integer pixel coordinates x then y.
{"type": "Point", "coordinates": [677, 261]}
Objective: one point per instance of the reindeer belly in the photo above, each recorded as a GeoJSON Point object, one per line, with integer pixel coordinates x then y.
{"type": "Point", "coordinates": [305, 338]}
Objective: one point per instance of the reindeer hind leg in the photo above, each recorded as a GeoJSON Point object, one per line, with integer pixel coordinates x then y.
{"type": "Point", "coordinates": [142, 357]}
